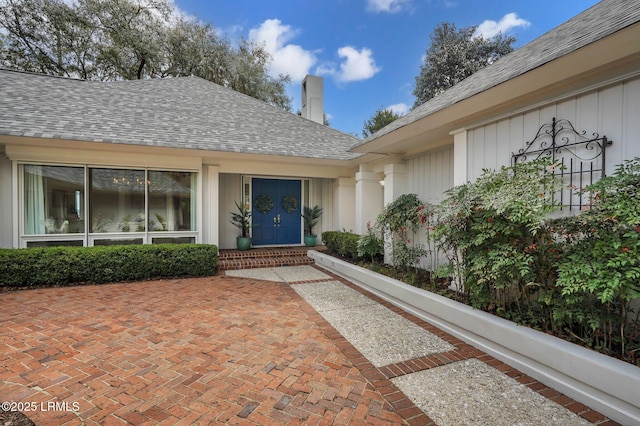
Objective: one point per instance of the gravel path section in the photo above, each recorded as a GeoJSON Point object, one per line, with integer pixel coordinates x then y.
{"type": "Point", "coordinates": [381, 335]}
{"type": "Point", "coordinates": [451, 391]}
{"type": "Point", "coordinates": [481, 395]}
{"type": "Point", "coordinates": [287, 274]}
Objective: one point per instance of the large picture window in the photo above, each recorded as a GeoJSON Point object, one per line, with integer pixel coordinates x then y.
{"type": "Point", "coordinates": [171, 201]}
{"type": "Point", "coordinates": [155, 205]}
{"type": "Point", "coordinates": [53, 200]}
{"type": "Point", "coordinates": [117, 200]}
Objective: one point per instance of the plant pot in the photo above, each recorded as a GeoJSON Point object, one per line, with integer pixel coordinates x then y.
{"type": "Point", "coordinates": [243, 243]}
{"type": "Point", "coordinates": [310, 240]}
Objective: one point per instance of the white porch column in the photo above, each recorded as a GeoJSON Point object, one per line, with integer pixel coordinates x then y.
{"type": "Point", "coordinates": [345, 203]}
{"type": "Point", "coordinates": [459, 156]}
{"type": "Point", "coordinates": [460, 177]}
{"type": "Point", "coordinates": [8, 204]}
{"type": "Point", "coordinates": [395, 183]}
{"type": "Point", "coordinates": [210, 205]}
{"type": "Point", "coordinates": [369, 198]}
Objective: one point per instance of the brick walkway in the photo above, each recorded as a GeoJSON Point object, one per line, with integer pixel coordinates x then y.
{"type": "Point", "coordinates": [202, 351]}
{"type": "Point", "coordinates": [194, 351]}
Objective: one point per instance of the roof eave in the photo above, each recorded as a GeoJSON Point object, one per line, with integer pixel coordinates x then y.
{"type": "Point", "coordinates": [617, 54]}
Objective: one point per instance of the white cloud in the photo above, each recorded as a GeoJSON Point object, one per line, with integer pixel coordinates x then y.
{"type": "Point", "coordinates": [490, 28]}
{"type": "Point", "coordinates": [400, 108]}
{"type": "Point", "coordinates": [289, 59]}
{"type": "Point", "coordinates": [356, 65]}
{"type": "Point", "coordinates": [390, 6]}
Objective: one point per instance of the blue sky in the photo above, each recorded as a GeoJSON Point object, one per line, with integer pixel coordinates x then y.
{"type": "Point", "coordinates": [368, 51]}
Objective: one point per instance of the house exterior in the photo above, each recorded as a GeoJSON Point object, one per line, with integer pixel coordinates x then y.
{"type": "Point", "coordinates": [89, 163]}
{"type": "Point", "coordinates": [162, 160]}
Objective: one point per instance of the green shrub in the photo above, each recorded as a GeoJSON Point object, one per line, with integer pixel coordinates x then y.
{"type": "Point", "coordinates": [496, 228]}
{"type": "Point", "coordinates": [348, 245]}
{"type": "Point", "coordinates": [59, 266]}
{"type": "Point", "coordinates": [402, 219]}
{"type": "Point", "coordinates": [329, 238]}
{"type": "Point", "coordinates": [599, 278]}
{"type": "Point", "coordinates": [342, 243]}
{"type": "Point", "coordinates": [370, 245]}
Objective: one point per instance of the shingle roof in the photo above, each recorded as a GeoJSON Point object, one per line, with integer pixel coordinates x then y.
{"type": "Point", "coordinates": [597, 22]}
{"type": "Point", "coordinates": [185, 112]}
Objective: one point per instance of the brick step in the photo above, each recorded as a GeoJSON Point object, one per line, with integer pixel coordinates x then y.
{"type": "Point", "coordinates": [262, 262]}
{"type": "Point", "coordinates": [266, 252]}
{"type": "Point", "coordinates": [266, 257]}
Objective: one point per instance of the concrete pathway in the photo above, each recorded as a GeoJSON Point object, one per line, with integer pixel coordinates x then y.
{"type": "Point", "coordinates": [446, 379]}
{"type": "Point", "coordinates": [265, 346]}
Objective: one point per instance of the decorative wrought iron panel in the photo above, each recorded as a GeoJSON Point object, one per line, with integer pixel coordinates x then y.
{"type": "Point", "coordinates": [580, 158]}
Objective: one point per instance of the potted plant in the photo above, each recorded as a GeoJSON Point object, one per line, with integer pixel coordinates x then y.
{"type": "Point", "coordinates": [311, 215]}
{"type": "Point", "coordinates": [242, 220]}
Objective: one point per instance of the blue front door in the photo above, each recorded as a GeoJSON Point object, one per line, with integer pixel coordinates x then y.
{"type": "Point", "coordinates": [276, 212]}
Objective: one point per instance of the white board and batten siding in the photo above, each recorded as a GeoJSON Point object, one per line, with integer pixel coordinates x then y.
{"type": "Point", "coordinates": [430, 175]}
{"type": "Point", "coordinates": [612, 111]}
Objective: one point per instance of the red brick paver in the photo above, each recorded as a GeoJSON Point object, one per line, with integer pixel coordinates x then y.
{"type": "Point", "coordinates": [192, 351]}
{"type": "Point", "coordinates": [217, 350]}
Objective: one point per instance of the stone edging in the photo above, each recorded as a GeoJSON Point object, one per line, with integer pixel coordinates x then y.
{"type": "Point", "coordinates": [605, 384]}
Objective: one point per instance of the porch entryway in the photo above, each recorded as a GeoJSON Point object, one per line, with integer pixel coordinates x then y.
{"type": "Point", "coordinates": [276, 211]}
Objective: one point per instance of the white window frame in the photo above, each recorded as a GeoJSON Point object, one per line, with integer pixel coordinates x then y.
{"type": "Point", "coordinates": [89, 238]}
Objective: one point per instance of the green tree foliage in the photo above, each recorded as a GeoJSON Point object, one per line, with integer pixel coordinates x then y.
{"type": "Point", "coordinates": [130, 39]}
{"type": "Point", "coordinates": [378, 120]}
{"type": "Point", "coordinates": [453, 56]}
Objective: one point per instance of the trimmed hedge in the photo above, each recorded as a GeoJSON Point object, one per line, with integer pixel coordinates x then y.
{"type": "Point", "coordinates": [342, 243]}
{"type": "Point", "coordinates": [60, 266]}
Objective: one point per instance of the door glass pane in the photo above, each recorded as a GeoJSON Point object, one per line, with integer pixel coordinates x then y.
{"type": "Point", "coordinates": [117, 200]}
{"type": "Point", "coordinates": [53, 200]}
{"type": "Point", "coordinates": [171, 201]}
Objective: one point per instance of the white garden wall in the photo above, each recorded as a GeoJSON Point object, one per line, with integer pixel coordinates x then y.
{"type": "Point", "coordinates": [605, 384]}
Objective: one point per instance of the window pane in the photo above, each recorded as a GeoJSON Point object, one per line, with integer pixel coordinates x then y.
{"type": "Point", "coordinates": [117, 200]}
{"type": "Point", "coordinates": [115, 242]}
{"type": "Point", "coordinates": [174, 240]}
{"type": "Point", "coordinates": [171, 201]}
{"type": "Point", "coordinates": [55, 243]}
{"type": "Point", "coordinates": [53, 200]}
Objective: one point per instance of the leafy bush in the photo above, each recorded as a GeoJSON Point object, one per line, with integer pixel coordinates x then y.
{"type": "Point", "coordinates": [59, 266]}
{"type": "Point", "coordinates": [343, 243]}
{"type": "Point", "coordinates": [600, 275]}
{"type": "Point", "coordinates": [329, 238]}
{"type": "Point", "coordinates": [401, 219]}
{"type": "Point", "coordinates": [348, 245]}
{"type": "Point", "coordinates": [370, 245]}
{"type": "Point", "coordinates": [495, 227]}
